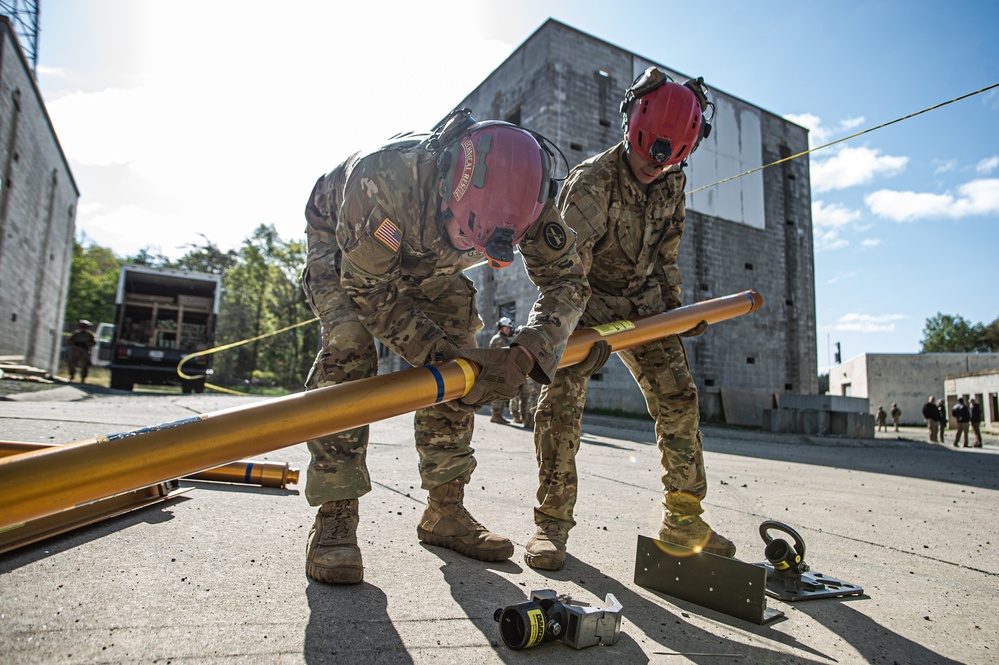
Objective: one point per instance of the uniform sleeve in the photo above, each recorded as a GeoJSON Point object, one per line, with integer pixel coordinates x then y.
{"type": "Point", "coordinates": [321, 275]}
{"type": "Point", "coordinates": [667, 271]}
{"type": "Point", "coordinates": [370, 233]}
{"type": "Point", "coordinates": [556, 268]}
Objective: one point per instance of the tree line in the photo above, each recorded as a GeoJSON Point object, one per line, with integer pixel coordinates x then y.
{"type": "Point", "coordinates": [261, 293]}
{"type": "Point", "coordinates": [946, 333]}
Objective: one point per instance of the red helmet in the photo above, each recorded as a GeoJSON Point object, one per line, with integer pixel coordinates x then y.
{"type": "Point", "coordinates": [663, 120]}
{"type": "Point", "coordinates": [498, 180]}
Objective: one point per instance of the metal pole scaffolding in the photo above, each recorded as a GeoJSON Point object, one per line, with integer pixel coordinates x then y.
{"type": "Point", "coordinates": [47, 481]}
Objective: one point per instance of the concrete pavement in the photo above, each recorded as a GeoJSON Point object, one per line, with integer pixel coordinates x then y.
{"type": "Point", "coordinates": [217, 575]}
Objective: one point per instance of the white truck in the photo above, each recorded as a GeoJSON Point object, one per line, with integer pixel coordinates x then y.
{"type": "Point", "coordinates": [162, 315]}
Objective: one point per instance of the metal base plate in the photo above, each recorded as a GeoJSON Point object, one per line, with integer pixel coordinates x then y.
{"type": "Point", "coordinates": [809, 586]}
{"type": "Point", "coordinates": [719, 583]}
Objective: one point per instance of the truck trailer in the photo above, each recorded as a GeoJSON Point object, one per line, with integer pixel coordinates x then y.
{"type": "Point", "coordinates": [162, 315]}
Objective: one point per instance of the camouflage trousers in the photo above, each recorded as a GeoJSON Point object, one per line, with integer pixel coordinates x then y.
{"type": "Point", "coordinates": [79, 358]}
{"type": "Point", "coordinates": [661, 370]}
{"type": "Point", "coordinates": [338, 469]}
{"type": "Point", "coordinates": [526, 400]}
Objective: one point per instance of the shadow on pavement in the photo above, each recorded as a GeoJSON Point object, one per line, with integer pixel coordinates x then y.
{"type": "Point", "coordinates": [872, 640]}
{"type": "Point", "coordinates": [349, 623]}
{"type": "Point", "coordinates": [911, 459]}
{"type": "Point", "coordinates": [673, 633]}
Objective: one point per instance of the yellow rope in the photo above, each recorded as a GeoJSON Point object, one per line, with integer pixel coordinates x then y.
{"type": "Point", "coordinates": [231, 346]}
{"type": "Point", "coordinates": [693, 191]}
{"type": "Point", "coordinates": [845, 138]}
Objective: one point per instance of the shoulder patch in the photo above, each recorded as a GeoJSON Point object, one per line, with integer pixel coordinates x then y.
{"type": "Point", "coordinates": [555, 236]}
{"type": "Point", "coordinates": [389, 234]}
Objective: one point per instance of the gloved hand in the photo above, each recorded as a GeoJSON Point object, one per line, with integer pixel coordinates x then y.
{"type": "Point", "coordinates": [441, 352]}
{"type": "Point", "coordinates": [591, 364]}
{"type": "Point", "coordinates": [696, 331]}
{"type": "Point", "coordinates": [501, 375]}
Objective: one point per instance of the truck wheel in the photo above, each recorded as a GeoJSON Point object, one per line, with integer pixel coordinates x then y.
{"type": "Point", "coordinates": [121, 380]}
{"type": "Point", "coordinates": [186, 386]}
{"type": "Point", "coordinates": [199, 386]}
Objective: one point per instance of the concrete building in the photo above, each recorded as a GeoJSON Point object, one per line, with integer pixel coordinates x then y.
{"type": "Point", "coordinates": [909, 379]}
{"type": "Point", "coordinates": [753, 232]}
{"type": "Point", "coordinates": [38, 198]}
{"type": "Point", "coordinates": [983, 387]}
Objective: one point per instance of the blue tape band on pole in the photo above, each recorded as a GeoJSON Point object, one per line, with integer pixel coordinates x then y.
{"type": "Point", "coordinates": [440, 382]}
{"type": "Point", "coordinates": [249, 471]}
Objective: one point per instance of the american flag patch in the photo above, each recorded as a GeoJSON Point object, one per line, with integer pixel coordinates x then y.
{"type": "Point", "coordinates": [389, 234]}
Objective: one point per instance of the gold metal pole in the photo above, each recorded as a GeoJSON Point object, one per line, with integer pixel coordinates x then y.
{"type": "Point", "coordinates": [245, 472]}
{"type": "Point", "coordinates": [45, 482]}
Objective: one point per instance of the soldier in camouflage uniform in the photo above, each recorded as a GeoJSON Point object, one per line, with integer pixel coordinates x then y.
{"type": "Point", "coordinates": [504, 333]}
{"type": "Point", "coordinates": [627, 208]}
{"type": "Point", "coordinates": [81, 343]}
{"type": "Point", "coordinates": [390, 232]}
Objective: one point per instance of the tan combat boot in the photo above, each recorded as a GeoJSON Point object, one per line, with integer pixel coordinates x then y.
{"type": "Point", "coordinates": [332, 554]}
{"type": "Point", "coordinates": [446, 523]}
{"type": "Point", "coordinates": [546, 548]}
{"type": "Point", "coordinates": [693, 532]}
{"type": "Point", "coordinates": [498, 418]}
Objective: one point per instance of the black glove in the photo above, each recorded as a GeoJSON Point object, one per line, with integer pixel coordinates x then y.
{"type": "Point", "coordinates": [591, 364]}
{"type": "Point", "coordinates": [502, 371]}
{"type": "Point", "coordinates": [441, 352]}
{"type": "Point", "coordinates": [696, 331]}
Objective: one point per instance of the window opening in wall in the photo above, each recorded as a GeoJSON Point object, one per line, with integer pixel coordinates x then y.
{"type": "Point", "coordinates": [749, 266]}
{"type": "Point", "coordinates": [605, 123]}
{"type": "Point", "coordinates": [993, 407]}
{"type": "Point", "coordinates": [846, 390]}
{"type": "Point", "coordinates": [788, 387]}
{"type": "Point", "coordinates": [576, 146]}
{"type": "Point", "coordinates": [709, 382]}
{"type": "Point", "coordinates": [750, 360]}
{"type": "Point", "coordinates": [513, 116]}
{"type": "Point", "coordinates": [789, 302]}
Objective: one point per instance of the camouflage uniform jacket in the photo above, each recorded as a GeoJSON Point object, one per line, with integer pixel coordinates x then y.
{"type": "Point", "coordinates": [375, 231]}
{"type": "Point", "coordinates": [500, 340]}
{"type": "Point", "coordinates": [628, 239]}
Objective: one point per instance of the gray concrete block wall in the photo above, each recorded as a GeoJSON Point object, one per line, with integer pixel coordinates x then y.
{"type": "Point", "coordinates": [907, 379]}
{"type": "Point", "coordinates": [568, 85]}
{"type": "Point", "coordinates": [38, 200]}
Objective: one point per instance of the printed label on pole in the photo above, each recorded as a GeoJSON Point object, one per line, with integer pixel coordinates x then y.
{"type": "Point", "coordinates": [613, 327]}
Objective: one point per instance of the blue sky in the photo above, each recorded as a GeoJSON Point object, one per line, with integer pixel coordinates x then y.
{"type": "Point", "coordinates": [182, 118]}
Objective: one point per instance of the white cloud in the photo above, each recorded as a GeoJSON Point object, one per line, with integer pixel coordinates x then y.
{"type": "Point", "coordinates": [827, 221]}
{"type": "Point", "coordinates": [978, 197]}
{"type": "Point", "coordinates": [841, 276]}
{"type": "Point", "coordinates": [944, 165]}
{"type": "Point", "coordinates": [819, 134]}
{"type": "Point", "coordinates": [853, 166]}
{"type": "Point", "coordinates": [869, 243]}
{"type": "Point", "coordinates": [834, 215]}
{"type": "Point", "coordinates": [866, 323]}
{"type": "Point", "coordinates": [987, 165]}
{"type": "Point", "coordinates": [825, 241]}
{"type": "Point", "coordinates": [227, 147]}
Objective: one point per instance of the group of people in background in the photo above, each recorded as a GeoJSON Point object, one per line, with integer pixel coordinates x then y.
{"type": "Point", "coordinates": [882, 417]}
{"type": "Point", "coordinates": [965, 415]}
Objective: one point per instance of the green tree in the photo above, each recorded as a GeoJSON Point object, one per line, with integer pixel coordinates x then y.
{"type": "Point", "coordinates": [990, 337]}
{"type": "Point", "coordinates": [944, 333]}
{"type": "Point", "coordinates": [93, 282]}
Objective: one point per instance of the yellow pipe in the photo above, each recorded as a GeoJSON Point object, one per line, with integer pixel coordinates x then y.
{"type": "Point", "coordinates": [246, 472]}
{"type": "Point", "coordinates": [44, 482]}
